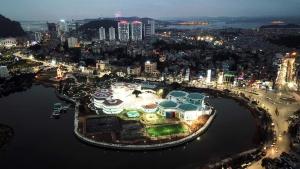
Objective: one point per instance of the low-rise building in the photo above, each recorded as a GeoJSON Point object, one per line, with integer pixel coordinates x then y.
{"type": "Point", "coordinates": [73, 42]}
{"type": "Point", "coordinates": [8, 42]}
{"type": "Point", "coordinates": [4, 73]}
{"type": "Point", "coordinates": [134, 70]}
{"type": "Point", "coordinates": [183, 105]}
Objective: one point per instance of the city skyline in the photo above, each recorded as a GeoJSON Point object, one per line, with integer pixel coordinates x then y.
{"type": "Point", "coordinates": [76, 9]}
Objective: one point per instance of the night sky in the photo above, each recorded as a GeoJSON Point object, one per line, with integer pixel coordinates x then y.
{"type": "Point", "coordinates": [80, 9]}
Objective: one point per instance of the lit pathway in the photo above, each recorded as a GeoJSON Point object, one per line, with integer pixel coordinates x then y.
{"type": "Point", "coordinates": [45, 63]}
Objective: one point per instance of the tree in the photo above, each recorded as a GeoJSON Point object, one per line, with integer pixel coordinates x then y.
{"type": "Point", "coordinates": [136, 93]}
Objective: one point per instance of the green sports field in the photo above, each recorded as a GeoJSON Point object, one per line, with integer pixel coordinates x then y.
{"type": "Point", "coordinates": [166, 130]}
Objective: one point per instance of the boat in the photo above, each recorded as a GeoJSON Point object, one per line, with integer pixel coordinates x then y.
{"type": "Point", "coordinates": [57, 109]}
{"type": "Point", "coordinates": [55, 114]}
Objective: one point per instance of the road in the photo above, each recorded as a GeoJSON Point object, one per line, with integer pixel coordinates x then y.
{"type": "Point", "coordinates": [45, 63]}
{"type": "Point", "coordinates": [271, 101]}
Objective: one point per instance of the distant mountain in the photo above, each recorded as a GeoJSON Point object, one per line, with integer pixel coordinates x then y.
{"type": "Point", "coordinates": [90, 27]}
{"type": "Point", "coordinates": [96, 24]}
{"type": "Point", "coordinates": [286, 26]}
{"type": "Point", "coordinates": [9, 28]}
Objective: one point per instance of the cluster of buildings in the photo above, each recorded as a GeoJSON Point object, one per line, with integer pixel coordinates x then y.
{"type": "Point", "coordinates": [287, 75]}
{"type": "Point", "coordinates": [178, 104]}
{"type": "Point", "coordinates": [134, 31]}
{"type": "Point", "coordinates": [183, 105]}
{"type": "Point", "coordinates": [8, 42]}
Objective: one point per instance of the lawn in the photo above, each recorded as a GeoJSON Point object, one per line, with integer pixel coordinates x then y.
{"type": "Point", "coordinates": [166, 130]}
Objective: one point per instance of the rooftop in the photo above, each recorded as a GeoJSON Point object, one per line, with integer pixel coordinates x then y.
{"type": "Point", "coordinates": [196, 96]}
{"type": "Point", "coordinates": [102, 95]}
{"type": "Point", "coordinates": [113, 102]}
{"type": "Point", "coordinates": [178, 93]}
{"type": "Point", "coordinates": [188, 107]}
{"type": "Point", "coordinates": [168, 104]}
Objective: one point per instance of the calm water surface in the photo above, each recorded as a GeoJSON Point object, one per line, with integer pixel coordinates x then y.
{"type": "Point", "coordinates": [41, 142]}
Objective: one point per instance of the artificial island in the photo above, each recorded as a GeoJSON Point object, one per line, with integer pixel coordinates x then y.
{"type": "Point", "coordinates": [139, 116]}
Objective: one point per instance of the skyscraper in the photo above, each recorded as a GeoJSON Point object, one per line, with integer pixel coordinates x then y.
{"type": "Point", "coordinates": [208, 76]}
{"type": "Point", "coordinates": [136, 31]}
{"type": "Point", "coordinates": [102, 35]}
{"type": "Point", "coordinates": [112, 34]}
{"type": "Point", "coordinates": [73, 42]}
{"type": "Point", "coordinates": [38, 36]}
{"type": "Point", "coordinates": [62, 27]}
{"type": "Point", "coordinates": [51, 27]}
{"type": "Point", "coordinates": [187, 75]}
{"type": "Point", "coordinates": [149, 28]}
{"type": "Point", "coordinates": [123, 31]}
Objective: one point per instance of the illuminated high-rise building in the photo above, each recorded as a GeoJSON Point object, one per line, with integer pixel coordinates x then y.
{"type": "Point", "coordinates": [62, 27]}
{"type": "Point", "coordinates": [208, 76]}
{"type": "Point", "coordinates": [112, 34]}
{"type": "Point", "coordinates": [38, 36]}
{"type": "Point", "coordinates": [286, 76]}
{"type": "Point", "coordinates": [102, 35]}
{"type": "Point", "coordinates": [72, 42]}
{"type": "Point", "coordinates": [187, 75]}
{"type": "Point", "coordinates": [136, 31]}
{"type": "Point", "coordinates": [123, 31]}
{"type": "Point", "coordinates": [220, 78]}
{"type": "Point", "coordinates": [149, 28]}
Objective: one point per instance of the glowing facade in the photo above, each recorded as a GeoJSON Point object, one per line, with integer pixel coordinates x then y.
{"type": "Point", "coordinates": [123, 31]}
{"type": "Point", "coordinates": [112, 33]}
{"type": "Point", "coordinates": [183, 105]}
{"type": "Point", "coordinates": [187, 75]}
{"type": "Point", "coordinates": [112, 106]}
{"type": "Point", "coordinates": [8, 42]}
{"type": "Point", "coordinates": [38, 36]}
{"type": "Point", "coordinates": [102, 35]}
{"type": "Point", "coordinates": [100, 96]}
{"type": "Point", "coordinates": [149, 28]}
{"type": "Point", "coordinates": [208, 77]}
{"type": "Point", "coordinates": [150, 67]}
{"type": "Point", "coordinates": [73, 42]}
{"type": "Point", "coordinates": [178, 104]}
{"type": "Point", "coordinates": [136, 31]}
{"type": "Point", "coordinates": [286, 76]}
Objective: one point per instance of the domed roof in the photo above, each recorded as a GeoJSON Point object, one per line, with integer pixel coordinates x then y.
{"type": "Point", "coordinates": [178, 93]}
{"type": "Point", "coordinates": [168, 104]}
{"type": "Point", "coordinates": [187, 107]}
{"type": "Point", "coordinates": [196, 96]}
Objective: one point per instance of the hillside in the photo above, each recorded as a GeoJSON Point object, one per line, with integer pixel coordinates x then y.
{"type": "Point", "coordinates": [10, 28]}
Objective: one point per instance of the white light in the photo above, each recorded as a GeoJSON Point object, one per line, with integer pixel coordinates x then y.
{"type": "Point", "coordinates": [208, 77]}
{"type": "Point", "coordinates": [53, 62]}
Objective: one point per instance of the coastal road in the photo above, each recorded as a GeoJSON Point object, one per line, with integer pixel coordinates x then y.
{"type": "Point", "coordinates": [45, 63]}
{"type": "Point", "coordinates": [271, 101]}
